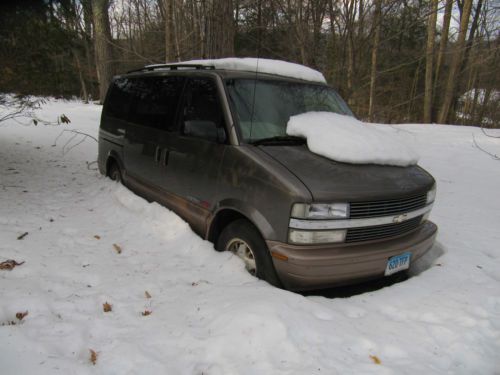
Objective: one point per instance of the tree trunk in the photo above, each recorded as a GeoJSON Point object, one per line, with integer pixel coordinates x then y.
{"type": "Point", "coordinates": [220, 33]}
{"type": "Point", "coordinates": [103, 47]}
{"type": "Point", "coordinates": [431, 33]}
{"type": "Point", "coordinates": [168, 10]}
{"type": "Point", "coordinates": [443, 42]}
{"type": "Point", "coordinates": [350, 70]}
{"type": "Point", "coordinates": [83, 85]}
{"type": "Point", "coordinates": [376, 42]}
{"type": "Point", "coordinates": [455, 63]}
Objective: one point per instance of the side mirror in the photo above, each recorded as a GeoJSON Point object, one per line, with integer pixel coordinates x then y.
{"type": "Point", "coordinates": [207, 130]}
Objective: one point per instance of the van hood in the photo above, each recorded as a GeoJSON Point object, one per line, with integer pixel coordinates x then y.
{"type": "Point", "coordinates": [329, 180]}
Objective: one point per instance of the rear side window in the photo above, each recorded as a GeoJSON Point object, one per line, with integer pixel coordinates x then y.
{"type": "Point", "coordinates": [155, 101]}
{"type": "Point", "coordinates": [119, 99]}
{"type": "Point", "coordinates": [147, 101]}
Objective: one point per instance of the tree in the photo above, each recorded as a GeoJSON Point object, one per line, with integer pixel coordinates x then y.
{"type": "Point", "coordinates": [443, 42]}
{"type": "Point", "coordinates": [376, 41]}
{"type": "Point", "coordinates": [220, 29]}
{"type": "Point", "coordinates": [456, 61]}
{"type": "Point", "coordinates": [431, 32]}
{"type": "Point", "coordinates": [103, 46]}
{"type": "Point", "coordinates": [168, 9]}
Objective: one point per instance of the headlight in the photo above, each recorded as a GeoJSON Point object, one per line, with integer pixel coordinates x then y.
{"type": "Point", "coordinates": [316, 237]}
{"type": "Point", "coordinates": [431, 194]}
{"type": "Point", "coordinates": [320, 210]}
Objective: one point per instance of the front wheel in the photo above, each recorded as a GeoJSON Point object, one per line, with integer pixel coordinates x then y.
{"type": "Point", "coordinates": [244, 240]}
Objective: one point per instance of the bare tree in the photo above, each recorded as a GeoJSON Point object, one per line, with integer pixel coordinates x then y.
{"type": "Point", "coordinates": [376, 42]}
{"type": "Point", "coordinates": [443, 42]}
{"type": "Point", "coordinates": [103, 46]}
{"type": "Point", "coordinates": [168, 10]}
{"type": "Point", "coordinates": [431, 32]}
{"type": "Point", "coordinates": [220, 29]}
{"type": "Point", "coordinates": [456, 60]}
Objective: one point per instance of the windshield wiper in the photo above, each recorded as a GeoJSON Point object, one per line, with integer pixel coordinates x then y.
{"type": "Point", "coordinates": [279, 140]}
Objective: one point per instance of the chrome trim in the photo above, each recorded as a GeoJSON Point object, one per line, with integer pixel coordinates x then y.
{"type": "Point", "coordinates": [105, 133]}
{"type": "Point", "coordinates": [357, 223]}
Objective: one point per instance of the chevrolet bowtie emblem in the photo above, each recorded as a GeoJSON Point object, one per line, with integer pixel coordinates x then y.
{"type": "Point", "coordinates": [399, 219]}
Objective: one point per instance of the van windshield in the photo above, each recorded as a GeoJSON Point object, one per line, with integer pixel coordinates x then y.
{"type": "Point", "coordinates": [275, 102]}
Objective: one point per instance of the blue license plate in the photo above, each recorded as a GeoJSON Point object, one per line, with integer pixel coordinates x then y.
{"type": "Point", "coordinates": [398, 263]}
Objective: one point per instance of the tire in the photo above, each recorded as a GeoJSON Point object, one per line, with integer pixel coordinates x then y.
{"type": "Point", "coordinates": [245, 241]}
{"type": "Point", "coordinates": [114, 172]}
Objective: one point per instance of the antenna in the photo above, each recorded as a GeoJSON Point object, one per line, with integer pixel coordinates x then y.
{"type": "Point", "coordinates": [259, 21]}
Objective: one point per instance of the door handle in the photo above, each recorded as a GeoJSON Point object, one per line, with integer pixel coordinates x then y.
{"type": "Point", "coordinates": [166, 154]}
{"type": "Point", "coordinates": [157, 154]}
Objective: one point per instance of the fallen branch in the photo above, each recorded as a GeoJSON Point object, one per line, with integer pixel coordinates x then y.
{"type": "Point", "coordinates": [493, 156]}
{"type": "Point", "coordinates": [488, 135]}
{"type": "Point", "coordinates": [91, 163]}
{"type": "Point", "coordinates": [11, 186]}
{"type": "Point", "coordinates": [75, 133]}
{"type": "Point", "coordinates": [16, 107]}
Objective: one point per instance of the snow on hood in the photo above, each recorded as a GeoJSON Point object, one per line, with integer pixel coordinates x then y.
{"type": "Point", "coordinates": [251, 64]}
{"type": "Point", "coordinates": [345, 139]}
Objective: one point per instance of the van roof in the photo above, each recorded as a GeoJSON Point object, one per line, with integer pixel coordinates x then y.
{"type": "Point", "coordinates": [248, 65]}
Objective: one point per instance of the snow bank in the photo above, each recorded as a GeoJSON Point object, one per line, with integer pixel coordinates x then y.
{"type": "Point", "coordinates": [345, 139]}
{"type": "Point", "coordinates": [251, 64]}
{"type": "Point", "coordinates": [207, 314]}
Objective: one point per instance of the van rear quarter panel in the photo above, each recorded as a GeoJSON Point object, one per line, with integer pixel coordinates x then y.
{"type": "Point", "coordinates": [260, 188]}
{"type": "Point", "coordinates": [111, 139]}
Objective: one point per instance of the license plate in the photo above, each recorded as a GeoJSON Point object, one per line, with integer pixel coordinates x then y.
{"type": "Point", "coordinates": [398, 263]}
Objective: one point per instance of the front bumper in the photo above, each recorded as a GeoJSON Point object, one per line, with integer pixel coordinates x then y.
{"type": "Point", "coordinates": [321, 266]}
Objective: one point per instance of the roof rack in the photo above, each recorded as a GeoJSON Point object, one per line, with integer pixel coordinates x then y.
{"type": "Point", "coordinates": [150, 68]}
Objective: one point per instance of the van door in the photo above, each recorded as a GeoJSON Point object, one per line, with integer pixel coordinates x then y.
{"type": "Point", "coordinates": [196, 151]}
{"type": "Point", "coordinates": [152, 114]}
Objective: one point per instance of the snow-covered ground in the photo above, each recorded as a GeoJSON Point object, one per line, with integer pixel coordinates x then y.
{"type": "Point", "coordinates": [207, 315]}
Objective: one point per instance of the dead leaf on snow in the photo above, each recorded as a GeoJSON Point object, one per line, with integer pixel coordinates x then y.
{"type": "Point", "coordinates": [375, 359]}
{"type": "Point", "coordinates": [146, 293]}
{"type": "Point", "coordinates": [65, 119]}
{"type": "Point", "coordinates": [9, 264]}
{"type": "Point", "coordinates": [118, 249]}
{"type": "Point", "coordinates": [21, 315]}
{"type": "Point", "coordinates": [146, 313]}
{"type": "Point", "coordinates": [93, 356]}
{"type": "Point", "coordinates": [107, 307]}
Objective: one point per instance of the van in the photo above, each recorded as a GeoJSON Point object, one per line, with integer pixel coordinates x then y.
{"type": "Point", "coordinates": [208, 141]}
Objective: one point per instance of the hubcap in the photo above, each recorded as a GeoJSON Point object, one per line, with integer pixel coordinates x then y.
{"type": "Point", "coordinates": [241, 249]}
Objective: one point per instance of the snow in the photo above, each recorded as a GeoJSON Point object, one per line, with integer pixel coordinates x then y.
{"type": "Point", "coordinates": [481, 95]}
{"type": "Point", "coordinates": [346, 139]}
{"type": "Point", "coordinates": [207, 314]}
{"type": "Point", "coordinates": [269, 66]}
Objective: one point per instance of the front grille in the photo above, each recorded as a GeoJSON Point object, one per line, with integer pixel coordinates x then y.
{"type": "Point", "coordinates": [388, 207]}
{"type": "Point", "coordinates": [381, 231]}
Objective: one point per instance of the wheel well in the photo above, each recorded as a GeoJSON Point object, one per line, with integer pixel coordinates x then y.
{"type": "Point", "coordinates": [222, 220]}
{"type": "Point", "coordinates": [111, 160]}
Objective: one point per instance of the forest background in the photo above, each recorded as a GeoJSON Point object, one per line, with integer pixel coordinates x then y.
{"type": "Point", "coordinates": [392, 61]}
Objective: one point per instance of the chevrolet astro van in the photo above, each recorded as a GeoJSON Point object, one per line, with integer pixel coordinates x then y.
{"type": "Point", "coordinates": [210, 144]}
